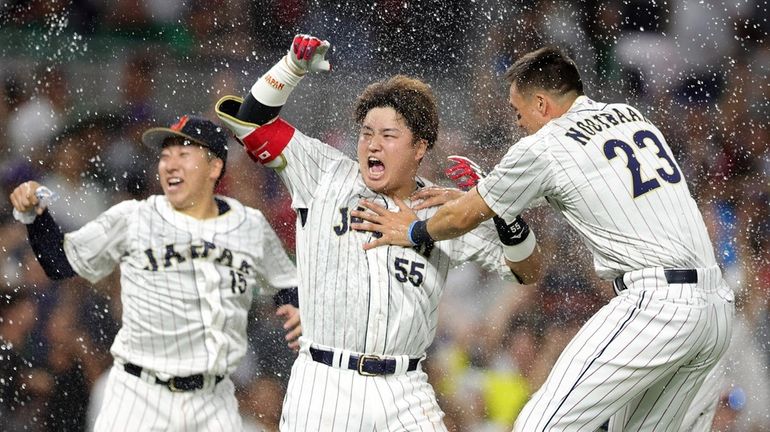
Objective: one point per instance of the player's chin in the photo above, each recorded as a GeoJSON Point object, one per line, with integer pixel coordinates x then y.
{"type": "Point", "coordinates": [377, 184]}
{"type": "Point", "coordinates": [171, 194]}
{"type": "Point", "coordinates": [177, 200]}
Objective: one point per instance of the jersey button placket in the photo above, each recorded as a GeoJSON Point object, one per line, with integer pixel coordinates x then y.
{"type": "Point", "coordinates": [208, 282]}
{"type": "Point", "coordinates": [378, 300]}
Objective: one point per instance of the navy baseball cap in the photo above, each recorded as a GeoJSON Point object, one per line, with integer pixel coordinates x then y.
{"type": "Point", "coordinates": [197, 129]}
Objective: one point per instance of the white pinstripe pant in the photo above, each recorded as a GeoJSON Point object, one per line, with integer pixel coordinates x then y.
{"type": "Point", "coordinates": [640, 360]}
{"type": "Point", "coordinates": [323, 398]}
{"type": "Point", "coordinates": [134, 404]}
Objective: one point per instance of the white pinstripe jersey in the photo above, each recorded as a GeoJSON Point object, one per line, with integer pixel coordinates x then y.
{"type": "Point", "coordinates": [612, 175]}
{"type": "Point", "coordinates": [383, 301]}
{"type": "Point", "coordinates": [186, 283]}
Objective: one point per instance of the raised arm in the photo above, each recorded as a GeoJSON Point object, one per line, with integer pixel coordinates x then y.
{"type": "Point", "coordinates": [254, 119]}
{"type": "Point", "coordinates": [45, 236]}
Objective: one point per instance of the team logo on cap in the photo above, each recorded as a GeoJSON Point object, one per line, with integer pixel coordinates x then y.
{"type": "Point", "coordinates": [180, 124]}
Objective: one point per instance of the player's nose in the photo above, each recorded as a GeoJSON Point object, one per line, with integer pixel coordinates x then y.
{"type": "Point", "coordinates": [375, 143]}
{"type": "Point", "coordinates": [170, 164]}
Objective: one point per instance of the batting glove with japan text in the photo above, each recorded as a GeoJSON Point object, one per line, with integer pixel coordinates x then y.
{"type": "Point", "coordinates": [265, 140]}
{"type": "Point", "coordinates": [308, 53]}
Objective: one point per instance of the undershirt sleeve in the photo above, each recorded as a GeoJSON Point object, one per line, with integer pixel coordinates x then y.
{"type": "Point", "coordinates": [47, 241]}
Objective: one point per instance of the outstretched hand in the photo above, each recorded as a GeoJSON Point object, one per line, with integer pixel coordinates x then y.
{"type": "Point", "coordinates": [393, 227]}
{"type": "Point", "coordinates": [292, 325]}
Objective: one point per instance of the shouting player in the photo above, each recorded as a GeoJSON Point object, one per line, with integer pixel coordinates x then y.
{"type": "Point", "coordinates": [189, 261]}
{"type": "Point", "coordinates": [643, 357]}
{"type": "Point", "coordinates": [368, 317]}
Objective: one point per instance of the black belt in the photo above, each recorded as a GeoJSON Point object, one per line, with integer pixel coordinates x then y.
{"type": "Point", "coordinates": [175, 384]}
{"type": "Point", "coordinates": [367, 365]}
{"type": "Point", "coordinates": [685, 276]}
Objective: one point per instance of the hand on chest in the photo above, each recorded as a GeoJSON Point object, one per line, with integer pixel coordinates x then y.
{"type": "Point", "coordinates": [341, 223]}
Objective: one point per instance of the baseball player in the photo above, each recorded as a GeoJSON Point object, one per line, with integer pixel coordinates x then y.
{"type": "Point", "coordinates": [367, 317]}
{"type": "Point", "coordinates": [189, 261]}
{"type": "Point", "coordinates": [642, 358]}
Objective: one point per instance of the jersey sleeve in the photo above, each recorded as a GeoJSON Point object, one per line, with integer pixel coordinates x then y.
{"type": "Point", "coordinates": [305, 161]}
{"type": "Point", "coordinates": [275, 267]}
{"type": "Point", "coordinates": [522, 176]}
{"type": "Point", "coordinates": [482, 246]}
{"type": "Point", "coordinates": [94, 250]}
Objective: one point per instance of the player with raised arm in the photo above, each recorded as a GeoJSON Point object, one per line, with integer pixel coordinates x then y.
{"type": "Point", "coordinates": [641, 359]}
{"type": "Point", "coordinates": [368, 316]}
{"type": "Point", "coordinates": [189, 262]}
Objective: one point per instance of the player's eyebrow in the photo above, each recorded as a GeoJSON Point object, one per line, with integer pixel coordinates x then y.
{"type": "Point", "coordinates": [383, 130]}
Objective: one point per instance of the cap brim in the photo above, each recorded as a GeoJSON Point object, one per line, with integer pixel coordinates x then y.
{"type": "Point", "coordinates": [154, 137]}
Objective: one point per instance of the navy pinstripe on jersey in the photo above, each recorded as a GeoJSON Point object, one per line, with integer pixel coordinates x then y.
{"type": "Point", "coordinates": [186, 283]}
{"type": "Point", "coordinates": [567, 161]}
{"type": "Point", "coordinates": [641, 359]}
{"type": "Point", "coordinates": [381, 301]}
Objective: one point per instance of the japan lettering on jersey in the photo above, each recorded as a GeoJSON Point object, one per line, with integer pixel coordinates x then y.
{"type": "Point", "coordinates": [612, 174]}
{"type": "Point", "coordinates": [382, 301]}
{"type": "Point", "coordinates": [186, 283]}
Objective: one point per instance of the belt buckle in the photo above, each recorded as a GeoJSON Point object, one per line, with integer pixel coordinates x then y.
{"type": "Point", "coordinates": [362, 359]}
{"type": "Point", "coordinates": [172, 386]}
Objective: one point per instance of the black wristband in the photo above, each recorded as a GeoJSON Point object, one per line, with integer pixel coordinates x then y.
{"type": "Point", "coordinates": [513, 233]}
{"type": "Point", "coordinates": [418, 233]}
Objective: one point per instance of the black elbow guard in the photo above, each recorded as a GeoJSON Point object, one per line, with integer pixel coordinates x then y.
{"type": "Point", "coordinates": [513, 233]}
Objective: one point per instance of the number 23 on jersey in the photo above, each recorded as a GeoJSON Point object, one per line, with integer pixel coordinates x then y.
{"type": "Point", "coordinates": [639, 185]}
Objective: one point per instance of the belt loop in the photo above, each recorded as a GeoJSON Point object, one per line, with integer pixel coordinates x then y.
{"type": "Point", "coordinates": [146, 376]}
{"type": "Point", "coordinates": [211, 381]}
{"type": "Point", "coordinates": [337, 357]}
{"type": "Point", "coordinates": [618, 285]}
{"type": "Point", "coordinates": [402, 363]}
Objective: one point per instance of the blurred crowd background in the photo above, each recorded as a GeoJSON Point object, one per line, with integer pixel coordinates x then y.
{"type": "Point", "coordinates": [81, 79]}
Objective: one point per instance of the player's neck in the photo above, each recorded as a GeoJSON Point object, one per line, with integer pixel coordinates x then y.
{"type": "Point", "coordinates": [404, 192]}
{"type": "Point", "coordinates": [564, 104]}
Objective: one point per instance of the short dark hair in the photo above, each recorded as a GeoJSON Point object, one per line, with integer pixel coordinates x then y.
{"type": "Point", "coordinates": [547, 68]}
{"type": "Point", "coordinates": [410, 98]}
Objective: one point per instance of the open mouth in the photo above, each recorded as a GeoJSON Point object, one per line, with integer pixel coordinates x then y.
{"type": "Point", "coordinates": [174, 183]}
{"type": "Point", "coordinates": [376, 167]}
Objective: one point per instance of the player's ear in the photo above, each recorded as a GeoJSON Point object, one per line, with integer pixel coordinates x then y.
{"type": "Point", "coordinates": [215, 168]}
{"type": "Point", "coordinates": [541, 103]}
{"type": "Point", "coordinates": [421, 147]}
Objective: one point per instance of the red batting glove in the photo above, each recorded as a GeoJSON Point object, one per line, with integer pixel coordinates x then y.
{"type": "Point", "coordinates": [464, 172]}
{"type": "Point", "coordinates": [307, 53]}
